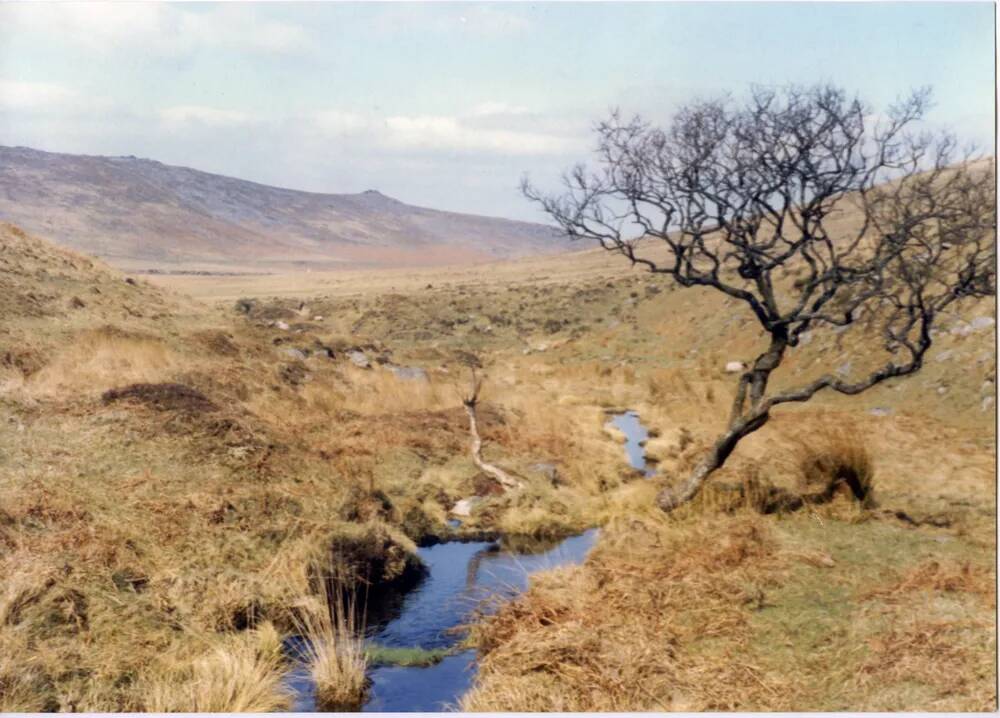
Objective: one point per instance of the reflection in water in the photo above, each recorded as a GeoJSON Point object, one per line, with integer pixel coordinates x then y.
{"type": "Point", "coordinates": [463, 580]}
{"type": "Point", "coordinates": [635, 439]}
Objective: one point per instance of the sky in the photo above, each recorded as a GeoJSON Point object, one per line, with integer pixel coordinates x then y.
{"type": "Point", "coordinates": [447, 105]}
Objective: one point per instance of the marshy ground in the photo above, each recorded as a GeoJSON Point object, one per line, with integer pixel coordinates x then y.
{"type": "Point", "coordinates": [171, 466]}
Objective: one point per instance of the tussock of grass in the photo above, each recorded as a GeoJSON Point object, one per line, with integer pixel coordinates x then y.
{"type": "Point", "coordinates": [840, 460]}
{"type": "Point", "coordinates": [243, 674]}
{"type": "Point", "coordinates": [333, 646]}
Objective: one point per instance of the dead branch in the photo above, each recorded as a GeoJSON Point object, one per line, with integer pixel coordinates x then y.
{"type": "Point", "coordinates": [470, 402]}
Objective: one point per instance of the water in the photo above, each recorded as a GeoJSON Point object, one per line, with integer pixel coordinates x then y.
{"type": "Point", "coordinates": [635, 440]}
{"type": "Point", "coordinates": [464, 580]}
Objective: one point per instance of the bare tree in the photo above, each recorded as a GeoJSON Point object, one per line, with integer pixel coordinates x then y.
{"type": "Point", "coordinates": [743, 199]}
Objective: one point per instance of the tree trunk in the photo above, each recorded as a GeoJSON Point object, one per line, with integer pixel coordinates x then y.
{"type": "Point", "coordinates": [670, 498]}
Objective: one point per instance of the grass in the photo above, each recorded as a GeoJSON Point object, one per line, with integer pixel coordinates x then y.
{"type": "Point", "coordinates": [144, 544]}
{"type": "Point", "coordinates": [335, 652]}
{"type": "Point", "coordinates": [405, 657]}
{"type": "Point", "coordinates": [240, 675]}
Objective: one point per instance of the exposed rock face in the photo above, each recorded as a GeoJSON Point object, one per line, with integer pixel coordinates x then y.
{"type": "Point", "coordinates": [141, 214]}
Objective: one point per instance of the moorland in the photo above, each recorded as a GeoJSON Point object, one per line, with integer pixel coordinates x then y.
{"type": "Point", "coordinates": [178, 451]}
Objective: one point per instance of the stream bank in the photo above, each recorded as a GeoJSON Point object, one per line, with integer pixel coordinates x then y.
{"type": "Point", "coordinates": [463, 581]}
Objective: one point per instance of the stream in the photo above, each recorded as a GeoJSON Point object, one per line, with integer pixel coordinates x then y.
{"type": "Point", "coordinates": [464, 580]}
{"type": "Point", "coordinates": [636, 435]}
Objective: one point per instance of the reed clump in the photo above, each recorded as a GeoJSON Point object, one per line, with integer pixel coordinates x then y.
{"type": "Point", "coordinates": [332, 630]}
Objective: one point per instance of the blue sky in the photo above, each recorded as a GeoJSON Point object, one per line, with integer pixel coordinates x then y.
{"type": "Point", "coordinates": [446, 104]}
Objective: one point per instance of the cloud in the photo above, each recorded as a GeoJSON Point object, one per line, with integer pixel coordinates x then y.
{"type": "Point", "coordinates": [181, 115]}
{"type": "Point", "coordinates": [34, 95]}
{"type": "Point", "coordinates": [481, 20]}
{"type": "Point", "coordinates": [154, 27]}
{"type": "Point", "coordinates": [489, 128]}
{"type": "Point", "coordinates": [451, 134]}
{"type": "Point", "coordinates": [490, 109]}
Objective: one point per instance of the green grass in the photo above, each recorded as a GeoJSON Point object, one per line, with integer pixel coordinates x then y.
{"type": "Point", "coordinates": [405, 657]}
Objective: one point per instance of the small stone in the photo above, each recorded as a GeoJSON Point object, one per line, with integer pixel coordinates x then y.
{"type": "Point", "coordinates": [735, 367]}
{"type": "Point", "coordinates": [844, 369]}
{"type": "Point", "coordinates": [293, 353]}
{"type": "Point", "coordinates": [359, 358]}
{"type": "Point", "coordinates": [281, 325]}
{"type": "Point", "coordinates": [982, 323]}
{"type": "Point", "coordinates": [465, 507]}
{"type": "Point", "coordinates": [880, 411]}
{"type": "Point", "coordinates": [409, 372]}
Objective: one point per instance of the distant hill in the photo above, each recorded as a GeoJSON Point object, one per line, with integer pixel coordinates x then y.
{"type": "Point", "coordinates": [139, 214]}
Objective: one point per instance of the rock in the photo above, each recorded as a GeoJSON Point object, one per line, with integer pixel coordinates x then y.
{"type": "Point", "coordinates": [961, 329]}
{"type": "Point", "coordinates": [982, 323]}
{"type": "Point", "coordinates": [805, 338]}
{"type": "Point", "coordinates": [465, 507]}
{"type": "Point", "coordinates": [987, 403]}
{"type": "Point", "coordinates": [294, 353]}
{"type": "Point", "coordinates": [409, 372]}
{"type": "Point", "coordinates": [735, 367]}
{"type": "Point", "coordinates": [945, 355]}
{"type": "Point", "coordinates": [359, 358]}
{"type": "Point", "coordinates": [844, 369]}
{"type": "Point", "coordinates": [942, 390]}
{"type": "Point", "coordinates": [317, 318]}
{"type": "Point", "coordinates": [880, 411]}
{"type": "Point", "coordinates": [281, 325]}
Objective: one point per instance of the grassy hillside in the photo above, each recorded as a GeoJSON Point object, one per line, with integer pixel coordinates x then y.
{"type": "Point", "coordinates": [155, 538]}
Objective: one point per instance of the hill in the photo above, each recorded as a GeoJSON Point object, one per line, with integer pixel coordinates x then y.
{"type": "Point", "coordinates": [141, 214]}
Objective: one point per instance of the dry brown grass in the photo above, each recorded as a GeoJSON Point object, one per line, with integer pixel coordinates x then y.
{"type": "Point", "coordinates": [170, 529]}
{"type": "Point", "coordinates": [943, 658]}
{"type": "Point", "coordinates": [840, 459]}
{"type": "Point", "coordinates": [939, 577]}
{"type": "Point", "coordinates": [100, 359]}
{"type": "Point", "coordinates": [334, 648]}
{"type": "Point", "coordinates": [243, 674]}
{"type": "Point", "coordinates": [657, 609]}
